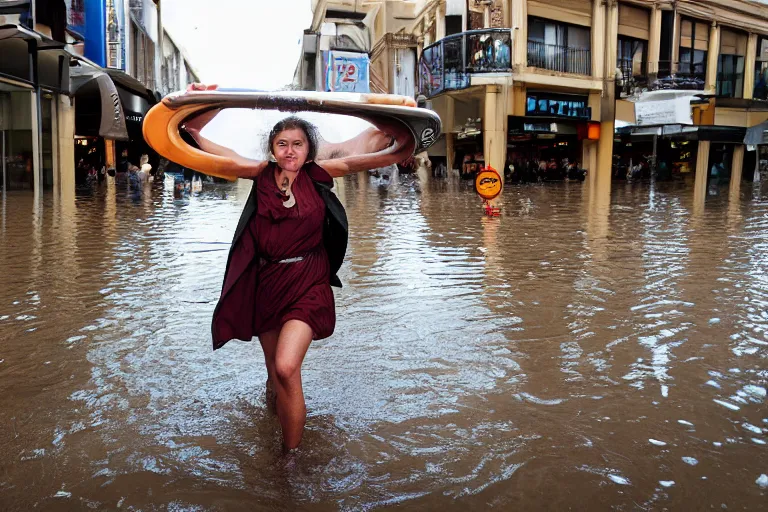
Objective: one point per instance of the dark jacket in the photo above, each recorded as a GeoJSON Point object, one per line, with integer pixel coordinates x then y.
{"type": "Point", "coordinates": [233, 316]}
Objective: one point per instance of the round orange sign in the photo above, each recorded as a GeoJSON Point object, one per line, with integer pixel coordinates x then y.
{"type": "Point", "coordinates": [488, 183]}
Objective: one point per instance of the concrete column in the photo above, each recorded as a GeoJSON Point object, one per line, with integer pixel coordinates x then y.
{"type": "Point", "coordinates": [55, 140]}
{"type": "Point", "coordinates": [440, 22]}
{"type": "Point", "coordinates": [448, 126]}
{"type": "Point", "coordinates": [713, 52]}
{"type": "Point", "coordinates": [598, 38]}
{"type": "Point", "coordinates": [737, 165]}
{"type": "Point", "coordinates": [589, 156]}
{"type": "Point", "coordinates": [675, 43]}
{"type": "Point", "coordinates": [702, 172]}
{"type": "Point", "coordinates": [749, 67]}
{"type": "Point", "coordinates": [494, 138]}
{"type": "Point", "coordinates": [517, 102]}
{"type": "Point", "coordinates": [519, 11]}
{"type": "Point", "coordinates": [160, 84]}
{"type": "Point", "coordinates": [110, 158]}
{"type": "Point", "coordinates": [65, 168]}
{"type": "Point", "coordinates": [608, 101]}
{"type": "Point", "coordinates": [654, 46]}
{"type": "Point", "coordinates": [37, 168]}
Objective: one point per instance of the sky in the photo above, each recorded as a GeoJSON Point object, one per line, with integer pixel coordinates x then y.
{"type": "Point", "coordinates": [252, 44]}
{"type": "Point", "coordinates": [240, 43]}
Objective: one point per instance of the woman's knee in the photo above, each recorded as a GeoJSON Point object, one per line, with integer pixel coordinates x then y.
{"type": "Point", "coordinates": [287, 370]}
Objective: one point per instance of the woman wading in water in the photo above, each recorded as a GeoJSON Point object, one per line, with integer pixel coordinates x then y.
{"type": "Point", "coordinates": [288, 247]}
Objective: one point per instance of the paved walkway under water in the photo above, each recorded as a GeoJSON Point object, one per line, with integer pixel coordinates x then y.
{"type": "Point", "coordinates": [575, 353]}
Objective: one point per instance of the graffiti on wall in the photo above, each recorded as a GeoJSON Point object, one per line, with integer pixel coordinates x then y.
{"type": "Point", "coordinates": [76, 15]}
{"type": "Point", "coordinates": [346, 72]}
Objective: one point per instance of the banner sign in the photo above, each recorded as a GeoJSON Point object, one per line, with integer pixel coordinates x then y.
{"type": "Point", "coordinates": [674, 111]}
{"type": "Point", "coordinates": [346, 72]}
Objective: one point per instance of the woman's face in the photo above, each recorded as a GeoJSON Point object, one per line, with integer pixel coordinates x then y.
{"type": "Point", "coordinates": [290, 148]}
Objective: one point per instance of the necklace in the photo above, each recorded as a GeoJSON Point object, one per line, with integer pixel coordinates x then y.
{"type": "Point", "coordinates": [289, 200]}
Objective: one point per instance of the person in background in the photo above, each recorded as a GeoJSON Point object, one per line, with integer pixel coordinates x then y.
{"type": "Point", "coordinates": [144, 168]}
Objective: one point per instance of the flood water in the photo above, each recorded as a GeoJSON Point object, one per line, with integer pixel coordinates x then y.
{"type": "Point", "coordinates": [580, 352]}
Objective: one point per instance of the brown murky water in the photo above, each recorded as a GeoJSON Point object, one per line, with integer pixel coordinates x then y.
{"type": "Point", "coordinates": [571, 354]}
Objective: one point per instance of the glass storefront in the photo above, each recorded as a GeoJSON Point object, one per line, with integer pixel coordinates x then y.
{"type": "Point", "coordinates": [16, 135]}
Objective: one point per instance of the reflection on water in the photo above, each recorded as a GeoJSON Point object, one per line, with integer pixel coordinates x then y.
{"type": "Point", "coordinates": [580, 351]}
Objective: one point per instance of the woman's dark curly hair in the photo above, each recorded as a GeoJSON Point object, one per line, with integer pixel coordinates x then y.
{"type": "Point", "coordinates": [294, 122]}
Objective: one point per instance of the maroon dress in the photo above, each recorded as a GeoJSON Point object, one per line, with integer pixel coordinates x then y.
{"type": "Point", "coordinates": [288, 290]}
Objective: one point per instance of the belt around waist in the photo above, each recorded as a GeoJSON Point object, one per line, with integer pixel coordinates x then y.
{"type": "Point", "coordinates": [297, 259]}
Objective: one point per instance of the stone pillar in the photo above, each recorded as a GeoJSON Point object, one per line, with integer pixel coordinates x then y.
{"type": "Point", "coordinates": [675, 43]}
{"type": "Point", "coordinates": [713, 52]}
{"type": "Point", "coordinates": [608, 101]}
{"type": "Point", "coordinates": [65, 170]}
{"type": "Point", "coordinates": [519, 11]}
{"type": "Point", "coordinates": [654, 46]}
{"type": "Point", "coordinates": [702, 172]}
{"type": "Point", "coordinates": [598, 38]}
{"type": "Point", "coordinates": [589, 156]}
{"type": "Point", "coordinates": [160, 83]}
{"type": "Point", "coordinates": [440, 22]}
{"type": "Point", "coordinates": [37, 168]}
{"type": "Point", "coordinates": [737, 166]}
{"type": "Point", "coordinates": [749, 67]}
{"type": "Point", "coordinates": [448, 124]}
{"type": "Point", "coordinates": [494, 138]}
{"type": "Point", "coordinates": [110, 159]}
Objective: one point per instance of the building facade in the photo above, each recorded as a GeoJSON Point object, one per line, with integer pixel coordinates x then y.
{"type": "Point", "coordinates": [76, 78]}
{"type": "Point", "coordinates": [522, 81]}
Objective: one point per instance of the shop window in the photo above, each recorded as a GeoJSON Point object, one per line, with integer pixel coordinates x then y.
{"type": "Point", "coordinates": [694, 44]}
{"type": "Point", "coordinates": [559, 46]}
{"type": "Point", "coordinates": [631, 57]}
{"type": "Point", "coordinates": [730, 64]}
{"type": "Point", "coordinates": [761, 70]}
{"type": "Point", "coordinates": [453, 25]}
{"type": "Point", "coordinates": [558, 106]}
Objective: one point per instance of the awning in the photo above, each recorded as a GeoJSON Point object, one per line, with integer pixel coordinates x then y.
{"type": "Point", "coordinates": [135, 97]}
{"type": "Point", "coordinates": [21, 47]}
{"type": "Point", "coordinates": [756, 134]}
{"type": "Point", "coordinates": [96, 98]}
{"type": "Point", "coordinates": [8, 31]}
{"type": "Point", "coordinates": [14, 6]}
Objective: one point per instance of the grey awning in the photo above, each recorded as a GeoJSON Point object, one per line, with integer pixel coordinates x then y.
{"type": "Point", "coordinates": [15, 6]}
{"type": "Point", "coordinates": [95, 92]}
{"type": "Point", "coordinates": [756, 134]}
{"type": "Point", "coordinates": [8, 31]}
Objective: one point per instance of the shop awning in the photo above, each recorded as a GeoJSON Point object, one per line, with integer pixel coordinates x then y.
{"type": "Point", "coordinates": [97, 103]}
{"type": "Point", "coordinates": [8, 31]}
{"type": "Point", "coordinates": [135, 97]}
{"type": "Point", "coordinates": [15, 6]}
{"type": "Point", "coordinates": [756, 135]}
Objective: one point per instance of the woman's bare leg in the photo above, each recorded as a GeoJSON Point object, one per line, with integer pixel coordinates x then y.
{"type": "Point", "coordinates": [268, 342]}
{"type": "Point", "coordinates": [292, 345]}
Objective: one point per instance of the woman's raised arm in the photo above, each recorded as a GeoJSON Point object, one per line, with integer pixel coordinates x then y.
{"type": "Point", "coordinates": [247, 167]}
{"type": "Point", "coordinates": [390, 142]}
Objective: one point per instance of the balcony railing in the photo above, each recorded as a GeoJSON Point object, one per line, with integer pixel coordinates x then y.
{"type": "Point", "coordinates": [448, 64]}
{"type": "Point", "coordinates": [564, 59]}
{"type": "Point", "coordinates": [670, 77]}
{"type": "Point", "coordinates": [633, 75]}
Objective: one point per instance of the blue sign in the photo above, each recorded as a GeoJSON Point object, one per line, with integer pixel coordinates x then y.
{"type": "Point", "coordinates": [346, 72]}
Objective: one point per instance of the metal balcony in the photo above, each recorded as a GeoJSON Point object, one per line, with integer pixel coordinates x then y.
{"type": "Point", "coordinates": [633, 76]}
{"type": "Point", "coordinates": [564, 59]}
{"type": "Point", "coordinates": [449, 63]}
{"type": "Point", "coordinates": [671, 77]}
